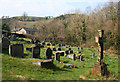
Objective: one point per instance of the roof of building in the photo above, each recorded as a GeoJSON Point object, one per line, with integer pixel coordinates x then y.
{"type": "Point", "coordinates": [27, 29]}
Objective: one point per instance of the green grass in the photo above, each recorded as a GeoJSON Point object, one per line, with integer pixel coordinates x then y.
{"type": "Point", "coordinates": [22, 68]}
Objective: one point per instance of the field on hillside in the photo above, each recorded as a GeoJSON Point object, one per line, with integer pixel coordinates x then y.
{"type": "Point", "coordinates": [22, 68]}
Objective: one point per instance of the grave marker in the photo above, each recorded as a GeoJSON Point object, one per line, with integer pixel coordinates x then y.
{"type": "Point", "coordinates": [57, 56]}
{"type": "Point", "coordinates": [74, 57]}
{"type": "Point", "coordinates": [16, 50]}
{"type": "Point", "coordinates": [48, 53]}
{"type": "Point", "coordinates": [59, 49]}
{"type": "Point", "coordinates": [5, 43]}
{"type": "Point", "coordinates": [35, 52]}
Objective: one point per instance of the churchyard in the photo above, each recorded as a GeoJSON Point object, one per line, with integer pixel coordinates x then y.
{"type": "Point", "coordinates": [24, 60]}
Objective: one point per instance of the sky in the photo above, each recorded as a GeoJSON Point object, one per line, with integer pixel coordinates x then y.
{"type": "Point", "coordinates": [42, 8]}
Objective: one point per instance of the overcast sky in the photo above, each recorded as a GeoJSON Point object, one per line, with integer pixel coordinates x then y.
{"type": "Point", "coordinates": [43, 8]}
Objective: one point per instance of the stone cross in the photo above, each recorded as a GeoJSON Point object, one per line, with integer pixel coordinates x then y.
{"type": "Point", "coordinates": [99, 40]}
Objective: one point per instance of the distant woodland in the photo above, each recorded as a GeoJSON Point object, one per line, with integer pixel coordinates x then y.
{"type": "Point", "coordinates": [74, 28]}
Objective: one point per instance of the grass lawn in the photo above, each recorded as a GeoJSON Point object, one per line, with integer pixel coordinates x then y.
{"type": "Point", "coordinates": [22, 68]}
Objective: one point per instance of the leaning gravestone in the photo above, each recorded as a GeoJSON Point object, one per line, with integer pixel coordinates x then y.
{"type": "Point", "coordinates": [5, 43]}
{"type": "Point", "coordinates": [16, 50]}
{"type": "Point", "coordinates": [59, 49]}
{"type": "Point", "coordinates": [53, 44]}
{"type": "Point", "coordinates": [42, 46]}
{"type": "Point", "coordinates": [57, 56]}
{"type": "Point", "coordinates": [35, 52]}
{"type": "Point", "coordinates": [48, 53]}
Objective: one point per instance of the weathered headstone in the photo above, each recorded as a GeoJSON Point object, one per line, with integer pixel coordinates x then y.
{"type": "Point", "coordinates": [45, 63]}
{"type": "Point", "coordinates": [54, 49]}
{"type": "Point", "coordinates": [57, 56]}
{"type": "Point", "coordinates": [5, 43]}
{"type": "Point", "coordinates": [59, 45]}
{"type": "Point", "coordinates": [43, 43]}
{"type": "Point", "coordinates": [71, 51]}
{"type": "Point", "coordinates": [59, 49]}
{"type": "Point", "coordinates": [32, 41]}
{"type": "Point", "coordinates": [74, 57]}
{"type": "Point", "coordinates": [66, 52]}
{"type": "Point", "coordinates": [42, 46]}
{"type": "Point", "coordinates": [35, 52]}
{"type": "Point", "coordinates": [48, 44]}
{"type": "Point", "coordinates": [29, 49]}
{"type": "Point", "coordinates": [48, 53]}
{"type": "Point", "coordinates": [69, 48]}
{"type": "Point", "coordinates": [16, 50]}
{"type": "Point", "coordinates": [61, 53]}
{"type": "Point", "coordinates": [28, 42]}
{"type": "Point", "coordinates": [81, 57]}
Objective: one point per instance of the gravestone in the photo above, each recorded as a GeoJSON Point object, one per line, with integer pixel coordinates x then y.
{"type": "Point", "coordinates": [48, 44]}
{"type": "Point", "coordinates": [42, 46]}
{"type": "Point", "coordinates": [71, 51]}
{"type": "Point", "coordinates": [35, 52]}
{"type": "Point", "coordinates": [54, 49]}
{"type": "Point", "coordinates": [74, 57]}
{"type": "Point", "coordinates": [28, 42]}
{"type": "Point", "coordinates": [32, 41]}
{"type": "Point", "coordinates": [43, 43]}
{"type": "Point", "coordinates": [57, 56]}
{"type": "Point", "coordinates": [48, 53]}
{"type": "Point", "coordinates": [16, 50]}
{"type": "Point", "coordinates": [45, 63]}
{"type": "Point", "coordinates": [93, 55]}
{"type": "Point", "coordinates": [66, 52]}
{"type": "Point", "coordinates": [69, 48]}
{"type": "Point", "coordinates": [59, 49]}
{"type": "Point", "coordinates": [59, 45]}
{"type": "Point", "coordinates": [53, 44]}
{"type": "Point", "coordinates": [29, 49]}
{"type": "Point", "coordinates": [5, 43]}
{"type": "Point", "coordinates": [81, 57]}
{"type": "Point", "coordinates": [61, 53]}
